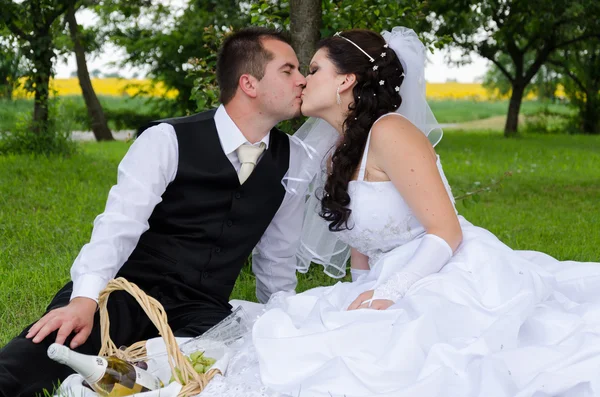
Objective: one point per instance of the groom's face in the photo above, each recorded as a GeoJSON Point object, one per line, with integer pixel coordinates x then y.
{"type": "Point", "coordinates": [280, 89]}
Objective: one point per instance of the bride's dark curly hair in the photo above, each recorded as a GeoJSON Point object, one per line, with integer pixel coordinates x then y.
{"type": "Point", "coordinates": [376, 93]}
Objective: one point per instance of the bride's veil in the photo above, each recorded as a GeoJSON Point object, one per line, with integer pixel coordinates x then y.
{"type": "Point", "coordinates": [316, 140]}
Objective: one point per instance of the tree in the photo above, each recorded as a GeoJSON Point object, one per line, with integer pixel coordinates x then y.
{"type": "Point", "coordinates": [305, 23]}
{"type": "Point", "coordinates": [527, 31]}
{"type": "Point", "coordinates": [580, 65]}
{"type": "Point", "coordinates": [94, 108]}
{"type": "Point", "coordinates": [32, 22]}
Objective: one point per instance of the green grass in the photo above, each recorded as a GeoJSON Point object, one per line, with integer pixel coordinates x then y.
{"type": "Point", "coordinates": [47, 206]}
{"type": "Point", "coordinates": [459, 111]}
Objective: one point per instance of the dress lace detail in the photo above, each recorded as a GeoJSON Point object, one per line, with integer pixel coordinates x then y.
{"type": "Point", "coordinates": [372, 241]}
{"type": "Point", "coordinates": [395, 287]}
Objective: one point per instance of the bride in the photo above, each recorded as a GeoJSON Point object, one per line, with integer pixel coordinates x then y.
{"type": "Point", "coordinates": [437, 306]}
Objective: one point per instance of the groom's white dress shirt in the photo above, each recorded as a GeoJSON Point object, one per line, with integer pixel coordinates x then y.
{"type": "Point", "coordinates": [143, 175]}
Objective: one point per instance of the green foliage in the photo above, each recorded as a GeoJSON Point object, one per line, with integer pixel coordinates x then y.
{"type": "Point", "coordinates": [272, 14]}
{"type": "Point", "coordinates": [182, 49]}
{"type": "Point", "coordinates": [53, 139]}
{"type": "Point", "coordinates": [204, 70]}
{"type": "Point", "coordinates": [377, 15]}
{"type": "Point", "coordinates": [173, 42]}
{"type": "Point", "coordinates": [12, 65]}
{"type": "Point", "coordinates": [549, 121]}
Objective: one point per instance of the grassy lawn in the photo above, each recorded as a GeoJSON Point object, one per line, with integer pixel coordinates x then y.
{"type": "Point", "coordinates": [47, 207]}
{"type": "Point", "coordinates": [460, 111]}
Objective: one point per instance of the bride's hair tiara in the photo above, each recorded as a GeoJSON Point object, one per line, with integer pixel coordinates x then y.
{"type": "Point", "coordinates": [371, 59]}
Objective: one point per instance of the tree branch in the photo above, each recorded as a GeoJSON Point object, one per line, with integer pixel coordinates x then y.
{"type": "Point", "coordinates": [58, 11]}
{"type": "Point", "coordinates": [565, 70]}
{"type": "Point", "coordinates": [502, 69]}
{"type": "Point", "coordinates": [537, 64]}
{"type": "Point", "coordinates": [577, 39]}
{"type": "Point", "coordinates": [495, 18]}
{"type": "Point", "coordinates": [513, 50]}
{"type": "Point", "coordinates": [18, 31]}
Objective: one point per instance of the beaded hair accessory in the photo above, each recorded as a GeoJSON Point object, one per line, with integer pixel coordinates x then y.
{"type": "Point", "coordinates": [371, 59]}
{"type": "Point", "coordinates": [337, 34]}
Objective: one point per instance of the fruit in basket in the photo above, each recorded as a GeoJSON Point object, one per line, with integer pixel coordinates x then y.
{"type": "Point", "coordinates": [199, 361]}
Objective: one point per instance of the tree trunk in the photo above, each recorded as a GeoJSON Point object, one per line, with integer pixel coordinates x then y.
{"type": "Point", "coordinates": [590, 117]}
{"type": "Point", "coordinates": [305, 22]}
{"type": "Point", "coordinates": [94, 108]}
{"type": "Point", "coordinates": [514, 107]}
{"type": "Point", "coordinates": [6, 89]}
{"type": "Point", "coordinates": [43, 65]}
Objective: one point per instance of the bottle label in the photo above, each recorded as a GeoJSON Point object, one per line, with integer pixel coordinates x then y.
{"type": "Point", "coordinates": [99, 372]}
{"type": "Point", "coordinates": [146, 380]}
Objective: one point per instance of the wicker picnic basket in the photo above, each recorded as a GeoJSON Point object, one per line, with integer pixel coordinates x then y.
{"type": "Point", "coordinates": [193, 382]}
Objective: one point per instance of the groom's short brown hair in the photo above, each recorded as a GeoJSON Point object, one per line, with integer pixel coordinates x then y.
{"type": "Point", "coordinates": [243, 53]}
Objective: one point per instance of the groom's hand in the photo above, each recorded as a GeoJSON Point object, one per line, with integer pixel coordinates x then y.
{"type": "Point", "coordinates": [77, 317]}
{"type": "Point", "coordinates": [364, 301]}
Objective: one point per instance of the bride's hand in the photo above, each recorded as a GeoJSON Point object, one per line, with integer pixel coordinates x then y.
{"type": "Point", "coordinates": [364, 301]}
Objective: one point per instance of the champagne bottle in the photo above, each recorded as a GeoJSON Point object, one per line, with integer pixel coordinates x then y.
{"type": "Point", "coordinates": [108, 376]}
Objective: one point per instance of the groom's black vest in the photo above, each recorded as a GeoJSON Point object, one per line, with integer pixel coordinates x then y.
{"type": "Point", "coordinates": [207, 223]}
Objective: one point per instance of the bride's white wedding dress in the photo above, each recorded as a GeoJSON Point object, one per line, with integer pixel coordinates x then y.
{"type": "Point", "coordinates": [492, 322]}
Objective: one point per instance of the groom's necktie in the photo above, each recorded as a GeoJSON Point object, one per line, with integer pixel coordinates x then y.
{"type": "Point", "coordinates": [248, 155]}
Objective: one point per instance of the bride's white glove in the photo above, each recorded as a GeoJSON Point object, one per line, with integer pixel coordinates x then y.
{"type": "Point", "coordinates": [430, 256]}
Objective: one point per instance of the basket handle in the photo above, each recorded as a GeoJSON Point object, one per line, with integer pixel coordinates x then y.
{"type": "Point", "coordinates": [193, 382]}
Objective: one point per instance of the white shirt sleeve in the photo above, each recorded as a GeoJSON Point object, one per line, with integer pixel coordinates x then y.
{"type": "Point", "coordinates": [274, 259]}
{"type": "Point", "coordinates": [143, 175]}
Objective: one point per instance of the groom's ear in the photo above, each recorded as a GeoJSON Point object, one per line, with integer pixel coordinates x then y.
{"type": "Point", "coordinates": [348, 82]}
{"type": "Point", "coordinates": [248, 84]}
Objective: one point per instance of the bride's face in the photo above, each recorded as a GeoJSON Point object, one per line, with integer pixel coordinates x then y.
{"type": "Point", "coordinates": [319, 95]}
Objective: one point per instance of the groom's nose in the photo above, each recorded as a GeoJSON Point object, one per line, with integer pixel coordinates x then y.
{"type": "Point", "coordinates": [301, 80]}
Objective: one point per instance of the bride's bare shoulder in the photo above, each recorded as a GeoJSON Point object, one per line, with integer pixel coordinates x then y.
{"type": "Point", "coordinates": [395, 132]}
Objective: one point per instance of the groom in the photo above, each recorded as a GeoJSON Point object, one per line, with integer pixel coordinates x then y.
{"type": "Point", "coordinates": [194, 196]}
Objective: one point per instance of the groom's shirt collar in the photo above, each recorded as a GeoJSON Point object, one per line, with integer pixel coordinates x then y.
{"type": "Point", "coordinates": [230, 135]}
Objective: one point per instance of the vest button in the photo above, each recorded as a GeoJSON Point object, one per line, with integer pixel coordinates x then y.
{"type": "Point", "coordinates": [238, 195]}
{"type": "Point", "coordinates": [204, 274]}
{"type": "Point", "coordinates": [229, 222]}
{"type": "Point", "coordinates": [218, 249]}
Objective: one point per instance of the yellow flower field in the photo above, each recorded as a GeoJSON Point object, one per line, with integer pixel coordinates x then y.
{"type": "Point", "coordinates": [105, 86]}
{"type": "Point", "coordinates": [120, 87]}
{"type": "Point", "coordinates": [473, 91]}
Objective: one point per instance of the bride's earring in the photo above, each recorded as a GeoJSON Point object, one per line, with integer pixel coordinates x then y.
{"type": "Point", "coordinates": [338, 98]}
